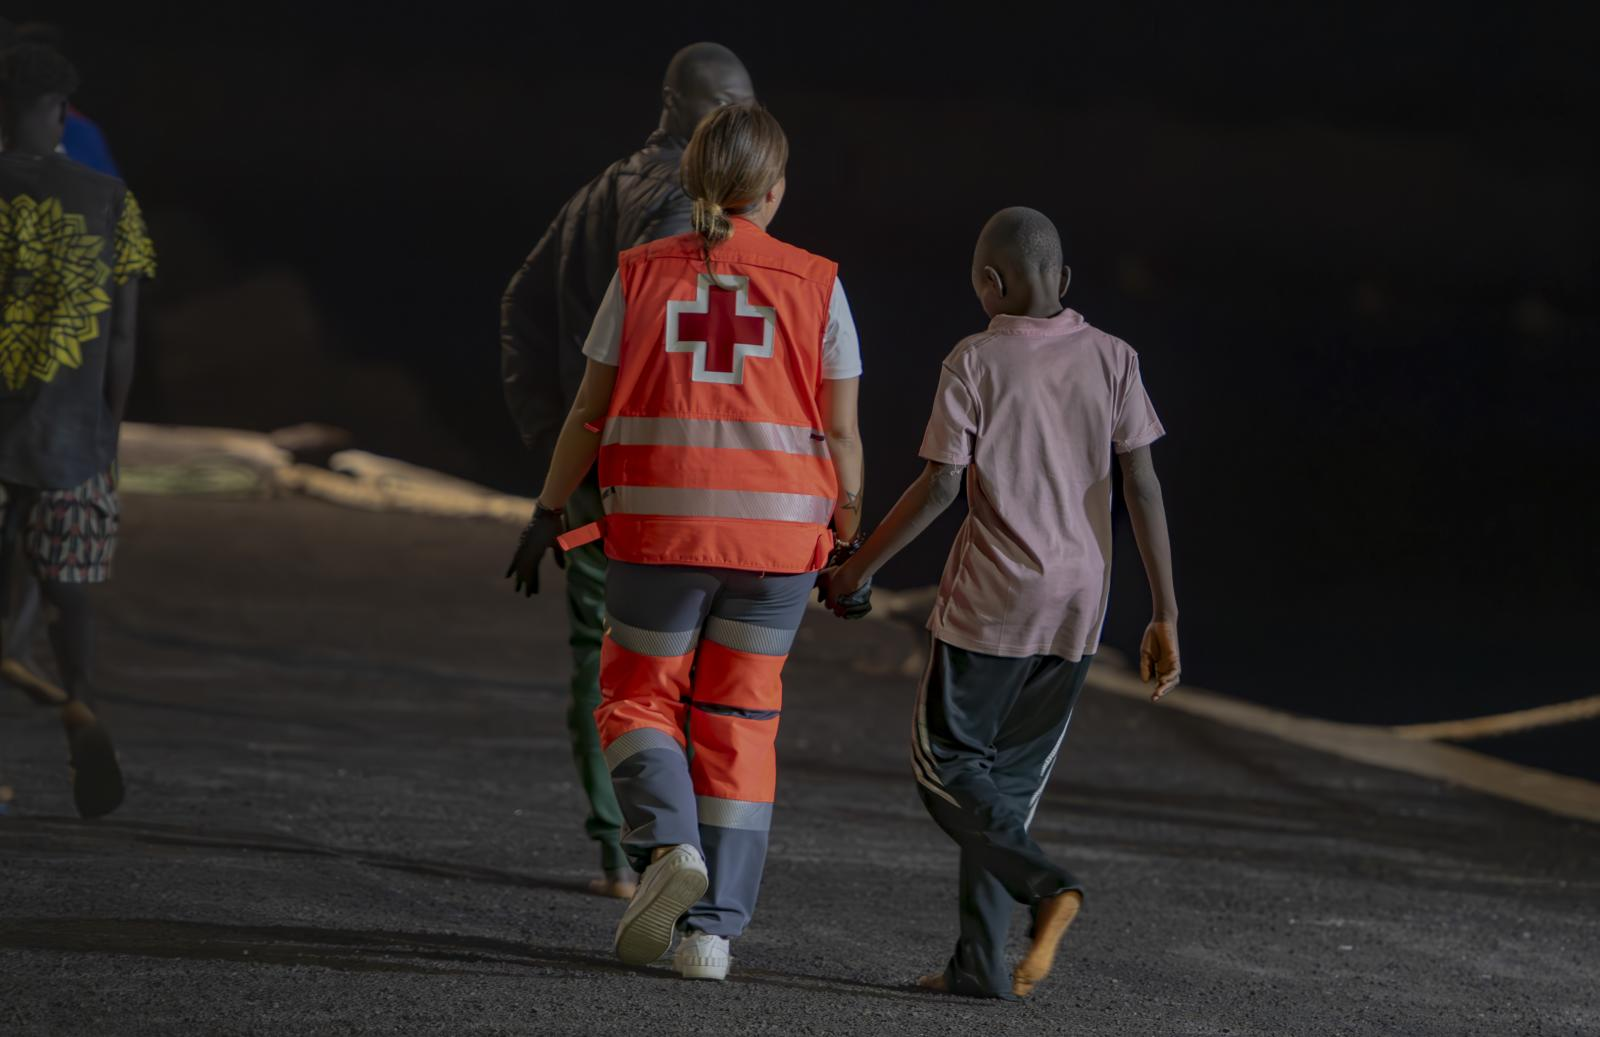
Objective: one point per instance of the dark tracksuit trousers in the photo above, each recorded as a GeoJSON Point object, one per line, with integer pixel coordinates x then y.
{"type": "Point", "coordinates": [984, 739]}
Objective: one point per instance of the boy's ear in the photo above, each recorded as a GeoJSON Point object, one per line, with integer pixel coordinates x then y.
{"type": "Point", "coordinates": [998, 283]}
{"type": "Point", "coordinates": [1066, 279]}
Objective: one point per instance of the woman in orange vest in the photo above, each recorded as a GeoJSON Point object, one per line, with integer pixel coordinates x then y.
{"type": "Point", "coordinates": [720, 399]}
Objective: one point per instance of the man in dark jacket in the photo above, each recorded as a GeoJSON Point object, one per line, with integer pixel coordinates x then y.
{"type": "Point", "coordinates": [544, 319]}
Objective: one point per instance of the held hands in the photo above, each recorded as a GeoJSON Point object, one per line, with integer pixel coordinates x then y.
{"type": "Point", "coordinates": [845, 593]}
{"type": "Point", "coordinates": [538, 536]}
{"type": "Point", "coordinates": [1158, 657]}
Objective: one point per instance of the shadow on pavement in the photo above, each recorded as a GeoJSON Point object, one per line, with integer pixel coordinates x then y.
{"type": "Point", "coordinates": [356, 950]}
{"type": "Point", "coordinates": [151, 834]}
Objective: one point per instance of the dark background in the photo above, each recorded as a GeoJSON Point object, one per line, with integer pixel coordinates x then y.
{"type": "Point", "coordinates": [1356, 251]}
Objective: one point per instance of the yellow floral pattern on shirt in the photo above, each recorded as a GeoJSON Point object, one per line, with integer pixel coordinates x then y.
{"type": "Point", "coordinates": [136, 254]}
{"type": "Point", "coordinates": [53, 283]}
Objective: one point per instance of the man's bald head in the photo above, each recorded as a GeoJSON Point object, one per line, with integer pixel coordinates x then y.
{"type": "Point", "coordinates": [701, 78]}
{"type": "Point", "coordinates": [1018, 262]}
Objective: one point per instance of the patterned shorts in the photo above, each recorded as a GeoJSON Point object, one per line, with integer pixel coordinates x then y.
{"type": "Point", "coordinates": [71, 535]}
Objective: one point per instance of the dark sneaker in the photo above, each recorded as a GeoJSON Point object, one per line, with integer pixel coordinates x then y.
{"type": "Point", "coordinates": [96, 776]}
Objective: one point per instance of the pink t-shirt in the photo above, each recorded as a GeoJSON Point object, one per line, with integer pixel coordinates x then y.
{"type": "Point", "coordinates": [1034, 407]}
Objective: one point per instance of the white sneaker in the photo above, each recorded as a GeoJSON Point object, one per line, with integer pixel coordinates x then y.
{"type": "Point", "coordinates": [668, 889]}
{"type": "Point", "coordinates": [702, 956]}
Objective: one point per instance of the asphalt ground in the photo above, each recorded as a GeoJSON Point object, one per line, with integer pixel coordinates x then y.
{"type": "Point", "coordinates": [351, 810]}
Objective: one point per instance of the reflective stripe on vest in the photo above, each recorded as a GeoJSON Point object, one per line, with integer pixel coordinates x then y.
{"type": "Point", "coordinates": [732, 504]}
{"type": "Point", "coordinates": [719, 435]}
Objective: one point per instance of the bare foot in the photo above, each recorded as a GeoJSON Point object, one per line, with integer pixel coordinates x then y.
{"type": "Point", "coordinates": [932, 981]}
{"type": "Point", "coordinates": [619, 888]}
{"type": "Point", "coordinates": [1055, 915]}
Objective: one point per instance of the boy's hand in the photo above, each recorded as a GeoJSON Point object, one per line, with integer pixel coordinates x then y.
{"type": "Point", "coordinates": [845, 593]}
{"type": "Point", "coordinates": [1158, 657]}
{"type": "Point", "coordinates": [538, 537]}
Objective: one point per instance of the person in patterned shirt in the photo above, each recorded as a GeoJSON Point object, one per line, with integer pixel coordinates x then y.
{"type": "Point", "coordinates": [73, 249]}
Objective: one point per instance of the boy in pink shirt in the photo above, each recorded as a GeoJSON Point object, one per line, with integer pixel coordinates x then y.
{"type": "Point", "coordinates": [1031, 412]}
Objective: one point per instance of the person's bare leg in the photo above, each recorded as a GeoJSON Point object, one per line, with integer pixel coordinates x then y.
{"type": "Point", "coordinates": [97, 778]}
{"type": "Point", "coordinates": [22, 618]}
{"type": "Point", "coordinates": [13, 515]}
{"type": "Point", "coordinates": [72, 637]}
{"type": "Point", "coordinates": [17, 666]}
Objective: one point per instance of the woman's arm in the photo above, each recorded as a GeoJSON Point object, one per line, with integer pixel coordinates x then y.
{"type": "Point", "coordinates": [577, 447]}
{"type": "Point", "coordinates": [575, 452]}
{"type": "Point", "coordinates": [844, 443]}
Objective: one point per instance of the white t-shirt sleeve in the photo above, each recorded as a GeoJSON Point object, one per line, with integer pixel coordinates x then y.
{"type": "Point", "coordinates": [604, 344]}
{"type": "Point", "coordinates": [841, 347]}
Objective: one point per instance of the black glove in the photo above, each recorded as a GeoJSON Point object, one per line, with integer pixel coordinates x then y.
{"type": "Point", "coordinates": [855, 605]}
{"type": "Point", "coordinates": [538, 536]}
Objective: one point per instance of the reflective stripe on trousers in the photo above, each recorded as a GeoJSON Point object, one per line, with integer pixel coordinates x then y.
{"type": "Point", "coordinates": [695, 657]}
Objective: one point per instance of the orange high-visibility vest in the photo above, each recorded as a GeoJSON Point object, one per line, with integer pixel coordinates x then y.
{"type": "Point", "coordinates": [712, 453]}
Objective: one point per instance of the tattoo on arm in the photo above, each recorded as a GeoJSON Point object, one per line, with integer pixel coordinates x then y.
{"type": "Point", "coordinates": [851, 502]}
{"type": "Point", "coordinates": [945, 483]}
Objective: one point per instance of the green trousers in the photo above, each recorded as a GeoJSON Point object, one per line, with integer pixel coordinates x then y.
{"type": "Point", "coordinates": [586, 621]}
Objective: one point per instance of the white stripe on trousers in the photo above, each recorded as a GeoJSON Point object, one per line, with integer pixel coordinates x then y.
{"type": "Point", "coordinates": [921, 753]}
{"type": "Point", "coordinates": [1044, 771]}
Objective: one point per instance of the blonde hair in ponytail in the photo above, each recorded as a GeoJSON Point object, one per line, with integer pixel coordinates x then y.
{"type": "Point", "coordinates": [737, 154]}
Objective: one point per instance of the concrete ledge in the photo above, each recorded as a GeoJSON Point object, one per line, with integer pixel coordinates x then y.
{"type": "Point", "coordinates": [1379, 746]}
{"type": "Point", "coordinates": [159, 459]}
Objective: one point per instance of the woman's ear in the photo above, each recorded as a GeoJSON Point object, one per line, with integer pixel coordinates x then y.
{"type": "Point", "coordinates": [992, 277]}
{"type": "Point", "coordinates": [1066, 279]}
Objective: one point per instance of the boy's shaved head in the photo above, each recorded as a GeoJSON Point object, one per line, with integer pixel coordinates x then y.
{"type": "Point", "coordinates": [1017, 267]}
{"type": "Point", "coordinates": [1020, 239]}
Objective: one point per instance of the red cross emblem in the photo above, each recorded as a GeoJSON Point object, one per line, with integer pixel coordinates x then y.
{"type": "Point", "coordinates": [721, 328]}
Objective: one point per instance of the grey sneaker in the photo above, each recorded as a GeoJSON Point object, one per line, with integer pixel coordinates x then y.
{"type": "Point", "coordinates": [667, 890]}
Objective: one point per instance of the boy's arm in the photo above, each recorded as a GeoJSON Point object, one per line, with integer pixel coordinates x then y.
{"type": "Point", "coordinates": [924, 500]}
{"type": "Point", "coordinates": [1158, 651]}
{"type": "Point", "coordinates": [839, 397]}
